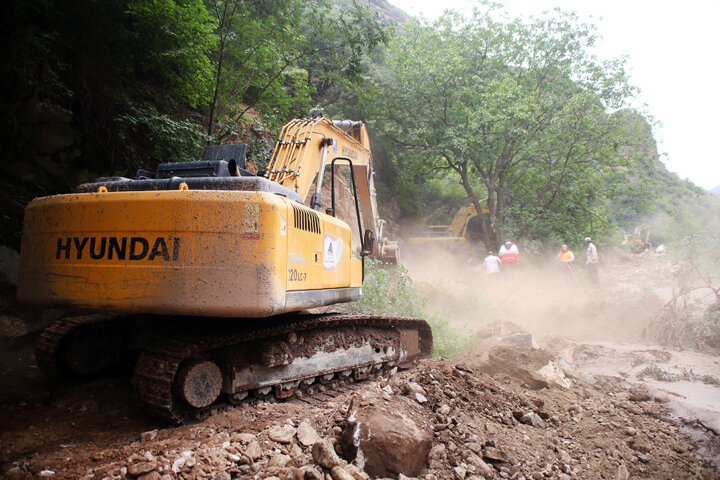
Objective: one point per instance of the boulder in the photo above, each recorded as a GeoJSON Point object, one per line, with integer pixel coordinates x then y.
{"type": "Point", "coordinates": [386, 443]}
{"type": "Point", "coordinates": [137, 469]}
{"type": "Point", "coordinates": [253, 450]}
{"type": "Point", "coordinates": [282, 434]}
{"type": "Point", "coordinates": [306, 434]}
{"type": "Point", "coordinates": [521, 363]}
{"type": "Point", "coordinates": [521, 339]}
{"type": "Point", "coordinates": [339, 473]}
{"type": "Point", "coordinates": [324, 455]}
{"type": "Point", "coordinates": [640, 393]}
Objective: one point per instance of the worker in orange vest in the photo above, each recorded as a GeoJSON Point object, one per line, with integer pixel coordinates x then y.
{"type": "Point", "coordinates": [566, 257]}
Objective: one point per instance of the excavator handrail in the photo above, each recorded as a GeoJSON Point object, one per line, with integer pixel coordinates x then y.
{"type": "Point", "coordinates": [301, 153]}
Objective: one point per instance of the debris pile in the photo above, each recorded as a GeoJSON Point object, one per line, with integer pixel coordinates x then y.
{"type": "Point", "coordinates": [442, 420]}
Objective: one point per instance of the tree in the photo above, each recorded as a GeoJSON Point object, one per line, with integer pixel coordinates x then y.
{"type": "Point", "coordinates": [278, 57]}
{"type": "Point", "coordinates": [518, 111]}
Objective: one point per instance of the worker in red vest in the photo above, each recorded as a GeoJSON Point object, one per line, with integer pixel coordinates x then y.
{"type": "Point", "coordinates": [509, 254]}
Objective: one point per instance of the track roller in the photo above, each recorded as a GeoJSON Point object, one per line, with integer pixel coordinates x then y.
{"type": "Point", "coordinates": [198, 383]}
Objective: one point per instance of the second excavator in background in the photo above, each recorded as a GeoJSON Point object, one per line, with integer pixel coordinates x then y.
{"type": "Point", "coordinates": [460, 231]}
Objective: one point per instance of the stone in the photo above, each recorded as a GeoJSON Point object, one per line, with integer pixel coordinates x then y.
{"type": "Point", "coordinates": [295, 450]}
{"type": "Point", "coordinates": [388, 441]}
{"type": "Point", "coordinates": [414, 387]}
{"type": "Point", "coordinates": [243, 438]}
{"type": "Point", "coordinates": [532, 418]}
{"type": "Point", "coordinates": [474, 447]}
{"type": "Point", "coordinates": [622, 472]}
{"type": "Point", "coordinates": [178, 465]}
{"type": "Point", "coordinates": [640, 443]}
{"type": "Point", "coordinates": [282, 434]}
{"type": "Point", "coordinates": [564, 456]}
{"type": "Point", "coordinates": [640, 393]}
{"type": "Point", "coordinates": [190, 459]}
{"type": "Point", "coordinates": [339, 473]}
{"type": "Point", "coordinates": [480, 466]}
{"type": "Point", "coordinates": [661, 398]}
{"type": "Point", "coordinates": [420, 398]}
{"type": "Point", "coordinates": [405, 477]}
{"type": "Point", "coordinates": [14, 327]}
{"type": "Point", "coordinates": [494, 455]}
{"type": "Point", "coordinates": [253, 450]}
{"type": "Point", "coordinates": [137, 469]}
{"type": "Point", "coordinates": [324, 455]}
{"type": "Point", "coordinates": [444, 409]}
{"type": "Point", "coordinates": [149, 476]}
{"type": "Point", "coordinates": [306, 434]}
{"type": "Point", "coordinates": [522, 363]}
{"type": "Point", "coordinates": [148, 436]}
{"type": "Point", "coordinates": [279, 461]}
{"type": "Point", "coordinates": [437, 456]}
{"type": "Point", "coordinates": [460, 472]}
{"type": "Point", "coordinates": [311, 472]}
{"type": "Point", "coordinates": [356, 472]}
{"type": "Point", "coordinates": [521, 339]}
{"type": "Point", "coordinates": [16, 473]}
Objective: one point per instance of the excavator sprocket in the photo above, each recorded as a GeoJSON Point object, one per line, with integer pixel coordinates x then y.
{"type": "Point", "coordinates": [188, 377]}
{"type": "Point", "coordinates": [83, 347]}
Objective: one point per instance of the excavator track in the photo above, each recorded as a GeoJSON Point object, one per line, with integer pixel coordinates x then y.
{"type": "Point", "coordinates": [159, 368]}
{"type": "Point", "coordinates": [64, 348]}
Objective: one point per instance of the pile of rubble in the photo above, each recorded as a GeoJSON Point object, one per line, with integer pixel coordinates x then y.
{"type": "Point", "coordinates": [442, 420]}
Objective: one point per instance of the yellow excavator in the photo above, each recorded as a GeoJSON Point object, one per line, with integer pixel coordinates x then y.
{"type": "Point", "coordinates": [639, 240]}
{"type": "Point", "coordinates": [456, 232]}
{"type": "Point", "coordinates": [199, 275]}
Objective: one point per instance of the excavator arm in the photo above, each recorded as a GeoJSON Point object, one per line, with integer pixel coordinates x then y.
{"type": "Point", "coordinates": [305, 150]}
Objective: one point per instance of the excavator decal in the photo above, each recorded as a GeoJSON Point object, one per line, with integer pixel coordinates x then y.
{"type": "Point", "coordinates": [120, 248]}
{"type": "Point", "coordinates": [333, 251]}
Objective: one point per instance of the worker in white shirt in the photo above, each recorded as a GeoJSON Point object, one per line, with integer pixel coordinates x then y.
{"type": "Point", "coordinates": [591, 258]}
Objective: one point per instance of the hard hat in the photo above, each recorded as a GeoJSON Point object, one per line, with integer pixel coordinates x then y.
{"type": "Point", "coordinates": [508, 242]}
{"type": "Point", "coordinates": [587, 239]}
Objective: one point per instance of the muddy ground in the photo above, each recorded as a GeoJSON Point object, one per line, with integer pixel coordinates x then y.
{"type": "Point", "coordinates": [607, 415]}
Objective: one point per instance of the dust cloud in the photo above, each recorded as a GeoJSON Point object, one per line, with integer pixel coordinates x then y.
{"type": "Point", "coordinates": [541, 296]}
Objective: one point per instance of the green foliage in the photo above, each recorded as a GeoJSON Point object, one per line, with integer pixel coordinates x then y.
{"type": "Point", "coordinates": [389, 290]}
{"type": "Point", "coordinates": [174, 39]}
{"type": "Point", "coordinates": [92, 66]}
{"type": "Point", "coordinates": [168, 139]}
{"type": "Point", "coordinates": [279, 57]}
{"type": "Point", "coordinates": [518, 111]}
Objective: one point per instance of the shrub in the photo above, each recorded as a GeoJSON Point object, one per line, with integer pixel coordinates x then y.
{"type": "Point", "coordinates": [388, 290]}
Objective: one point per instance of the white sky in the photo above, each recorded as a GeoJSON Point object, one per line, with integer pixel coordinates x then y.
{"type": "Point", "coordinates": [673, 51]}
